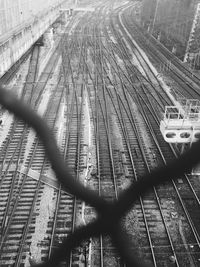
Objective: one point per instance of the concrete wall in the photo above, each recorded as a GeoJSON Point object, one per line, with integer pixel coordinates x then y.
{"type": "Point", "coordinates": [22, 22]}
{"type": "Point", "coordinates": [14, 13]}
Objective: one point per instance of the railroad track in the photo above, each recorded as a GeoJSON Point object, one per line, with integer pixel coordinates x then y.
{"type": "Point", "coordinates": [105, 181]}
{"type": "Point", "coordinates": [19, 188]}
{"type": "Point", "coordinates": [69, 212]}
{"type": "Point", "coordinates": [168, 245]}
{"type": "Point", "coordinates": [20, 212]}
{"type": "Point", "coordinates": [188, 186]}
{"type": "Point", "coordinates": [188, 82]}
{"type": "Point", "coordinates": [157, 133]}
{"type": "Point", "coordinates": [149, 206]}
{"type": "Point", "coordinates": [104, 114]}
{"type": "Point", "coordinates": [166, 230]}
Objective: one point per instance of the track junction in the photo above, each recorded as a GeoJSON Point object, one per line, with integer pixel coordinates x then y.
{"type": "Point", "coordinates": [103, 99]}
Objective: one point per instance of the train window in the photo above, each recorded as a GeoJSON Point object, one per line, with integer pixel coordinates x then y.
{"type": "Point", "coordinates": [197, 135]}
{"type": "Point", "coordinates": [170, 135]}
{"type": "Point", "coordinates": [185, 135]}
{"type": "Point", "coordinates": [174, 116]}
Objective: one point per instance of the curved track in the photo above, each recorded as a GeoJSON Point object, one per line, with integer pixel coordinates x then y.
{"type": "Point", "coordinates": [103, 104]}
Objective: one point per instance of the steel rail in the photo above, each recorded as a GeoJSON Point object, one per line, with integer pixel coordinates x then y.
{"type": "Point", "coordinates": [137, 132]}
{"type": "Point", "coordinates": [95, 84]}
{"type": "Point", "coordinates": [197, 199]}
{"type": "Point", "coordinates": [125, 134]}
{"type": "Point", "coordinates": [68, 122]}
{"type": "Point", "coordinates": [139, 75]}
{"type": "Point", "coordinates": [187, 215]}
{"type": "Point", "coordinates": [110, 212]}
{"type": "Point", "coordinates": [60, 187]}
{"type": "Point", "coordinates": [176, 66]}
{"type": "Point", "coordinates": [105, 119]}
{"type": "Point", "coordinates": [79, 121]}
{"type": "Point", "coordinates": [158, 119]}
{"type": "Point", "coordinates": [26, 227]}
{"type": "Point", "coordinates": [9, 221]}
{"type": "Point", "coordinates": [113, 46]}
{"type": "Point", "coordinates": [24, 91]}
{"type": "Point", "coordinates": [5, 79]}
{"type": "Point", "coordinates": [137, 53]}
{"type": "Point", "coordinates": [97, 137]}
{"type": "Point", "coordinates": [33, 69]}
{"type": "Point", "coordinates": [186, 178]}
{"type": "Point", "coordinates": [107, 122]}
{"type": "Point", "coordinates": [154, 114]}
{"type": "Point", "coordinates": [169, 55]}
{"type": "Point", "coordinates": [193, 228]}
{"type": "Point", "coordinates": [126, 199]}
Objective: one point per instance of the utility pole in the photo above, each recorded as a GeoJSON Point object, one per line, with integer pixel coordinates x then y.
{"type": "Point", "coordinates": [154, 18]}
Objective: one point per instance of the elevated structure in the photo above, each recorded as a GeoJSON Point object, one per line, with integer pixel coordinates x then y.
{"type": "Point", "coordinates": [22, 22]}
{"type": "Point", "coordinates": [182, 125]}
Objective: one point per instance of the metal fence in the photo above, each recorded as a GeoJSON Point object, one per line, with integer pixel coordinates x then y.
{"type": "Point", "coordinates": [109, 214]}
